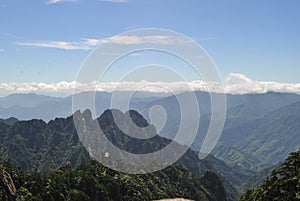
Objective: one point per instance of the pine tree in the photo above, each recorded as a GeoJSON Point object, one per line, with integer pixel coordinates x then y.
{"type": "Point", "coordinates": [283, 184]}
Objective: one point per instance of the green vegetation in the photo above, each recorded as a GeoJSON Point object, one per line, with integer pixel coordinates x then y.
{"type": "Point", "coordinates": [93, 182]}
{"type": "Point", "coordinates": [37, 146]}
{"type": "Point", "coordinates": [263, 142]}
{"type": "Point", "coordinates": [245, 161]}
{"type": "Point", "coordinates": [251, 146]}
{"type": "Point", "coordinates": [258, 178]}
{"type": "Point", "coordinates": [282, 185]}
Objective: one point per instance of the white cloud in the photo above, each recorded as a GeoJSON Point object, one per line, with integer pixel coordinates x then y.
{"type": "Point", "coordinates": [115, 1]}
{"type": "Point", "coordinates": [83, 44]}
{"type": "Point", "coordinates": [90, 43]}
{"type": "Point", "coordinates": [234, 84]}
{"type": "Point", "coordinates": [59, 1]}
{"type": "Point", "coordinates": [135, 40]}
{"type": "Point", "coordinates": [237, 83]}
{"type": "Point", "coordinates": [1, 50]}
{"type": "Point", "coordinates": [53, 1]}
{"type": "Point", "coordinates": [136, 54]}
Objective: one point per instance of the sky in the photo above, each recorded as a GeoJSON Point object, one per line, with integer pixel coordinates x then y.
{"type": "Point", "coordinates": [47, 41]}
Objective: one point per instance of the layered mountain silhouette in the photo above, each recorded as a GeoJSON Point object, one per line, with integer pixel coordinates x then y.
{"type": "Point", "coordinates": [260, 131]}
{"type": "Point", "coordinates": [30, 106]}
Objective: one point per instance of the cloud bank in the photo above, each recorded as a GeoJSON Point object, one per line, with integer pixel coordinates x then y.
{"type": "Point", "coordinates": [237, 83]}
{"type": "Point", "coordinates": [234, 83]}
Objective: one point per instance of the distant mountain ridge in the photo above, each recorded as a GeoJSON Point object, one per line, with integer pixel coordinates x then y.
{"type": "Point", "coordinates": [9, 121]}
{"type": "Point", "coordinates": [30, 106]}
{"type": "Point", "coordinates": [29, 100]}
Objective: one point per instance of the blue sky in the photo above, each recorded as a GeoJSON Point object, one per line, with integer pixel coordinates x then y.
{"type": "Point", "coordinates": [259, 39]}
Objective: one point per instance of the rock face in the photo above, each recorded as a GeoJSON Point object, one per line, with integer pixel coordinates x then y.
{"type": "Point", "coordinates": [66, 166]}
{"type": "Point", "coordinates": [9, 183]}
{"type": "Point", "coordinates": [211, 181]}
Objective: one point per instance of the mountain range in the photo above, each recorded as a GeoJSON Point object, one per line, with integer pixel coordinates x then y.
{"type": "Point", "coordinates": [35, 106]}
{"type": "Point", "coordinates": [260, 131]}
{"type": "Point", "coordinates": [35, 145]}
